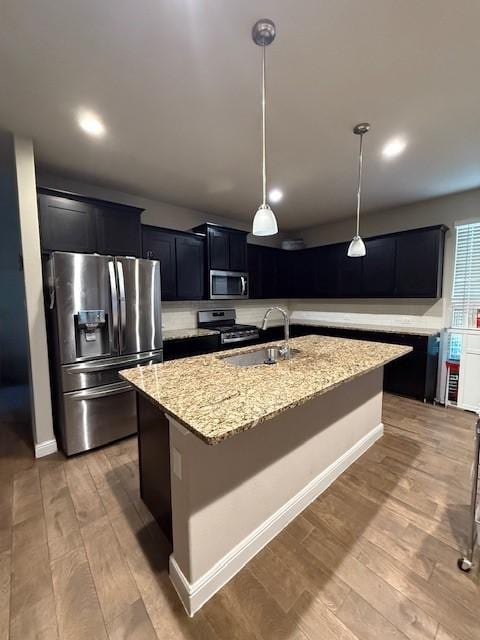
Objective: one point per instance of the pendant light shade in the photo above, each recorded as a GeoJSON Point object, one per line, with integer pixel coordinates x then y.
{"type": "Point", "coordinates": [264, 222]}
{"type": "Point", "coordinates": [356, 248]}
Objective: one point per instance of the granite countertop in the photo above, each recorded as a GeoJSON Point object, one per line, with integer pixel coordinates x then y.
{"type": "Point", "coordinates": [216, 400]}
{"type": "Point", "coordinates": [183, 334]}
{"type": "Point", "coordinates": [387, 328]}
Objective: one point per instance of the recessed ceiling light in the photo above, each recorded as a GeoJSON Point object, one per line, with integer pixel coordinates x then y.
{"type": "Point", "coordinates": [91, 123]}
{"type": "Point", "coordinates": [275, 195]}
{"type": "Point", "coordinates": [394, 147]}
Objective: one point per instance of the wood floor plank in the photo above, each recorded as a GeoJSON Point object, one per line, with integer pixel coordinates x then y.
{"type": "Point", "coordinates": [87, 502]}
{"type": "Point", "coordinates": [317, 621]}
{"type": "Point", "coordinates": [78, 610]}
{"type": "Point", "coordinates": [132, 624]}
{"type": "Point", "coordinates": [38, 622]}
{"type": "Point", "coordinates": [435, 601]}
{"type": "Point", "coordinates": [403, 613]}
{"type": "Point", "coordinates": [365, 621]}
{"type": "Point", "coordinates": [259, 611]}
{"type": "Point", "coordinates": [277, 578]}
{"type": "Point", "coordinates": [27, 497]}
{"type": "Point", "coordinates": [115, 586]}
{"type": "Point", "coordinates": [5, 576]}
{"type": "Point", "coordinates": [63, 531]}
{"type": "Point", "coordinates": [31, 579]}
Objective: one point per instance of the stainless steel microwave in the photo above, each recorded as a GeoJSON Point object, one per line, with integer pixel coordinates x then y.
{"type": "Point", "coordinates": [228, 285]}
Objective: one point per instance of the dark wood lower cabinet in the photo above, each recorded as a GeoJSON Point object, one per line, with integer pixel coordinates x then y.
{"type": "Point", "coordinates": [154, 463]}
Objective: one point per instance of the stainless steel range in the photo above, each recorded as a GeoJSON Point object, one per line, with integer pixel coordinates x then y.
{"type": "Point", "coordinates": [223, 321]}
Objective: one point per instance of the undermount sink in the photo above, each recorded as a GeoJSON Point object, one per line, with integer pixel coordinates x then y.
{"type": "Point", "coordinates": [264, 356]}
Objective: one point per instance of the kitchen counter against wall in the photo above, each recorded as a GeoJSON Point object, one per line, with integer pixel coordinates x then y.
{"type": "Point", "coordinates": [384, 328]}
{"type": "Point", "coordinates": [185, 334]}
{"type": "Point", "coordinates": [215, 399]}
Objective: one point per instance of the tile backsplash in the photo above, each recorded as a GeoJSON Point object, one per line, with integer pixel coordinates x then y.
{"type": "Point", "coordinates": [183, 315]}
{"type": "Point", "coordinates": [415, 313]}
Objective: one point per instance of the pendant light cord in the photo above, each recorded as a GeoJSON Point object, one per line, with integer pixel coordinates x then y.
{"type": "Point", "coordinates": [264, 163]}
{"type": "Point", "coordinates": [359, 190]}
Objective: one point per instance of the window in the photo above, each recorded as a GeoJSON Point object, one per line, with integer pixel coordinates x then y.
{"type": "Point", "coordinates": [466, 278]}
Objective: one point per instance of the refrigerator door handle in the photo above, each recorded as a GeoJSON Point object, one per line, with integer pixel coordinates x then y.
{"type": "Point", "coordinates": [99, 392]}
{"type": "Point", "coordinates": [114, 297]}
{"type": "Point", "coordinates": [123, 305]}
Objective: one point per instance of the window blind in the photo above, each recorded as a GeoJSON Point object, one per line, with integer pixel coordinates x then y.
{"type": "Point", "coordinates": [466, 278]}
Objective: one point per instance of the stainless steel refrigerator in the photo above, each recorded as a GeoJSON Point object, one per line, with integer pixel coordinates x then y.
{"type": "Point", "coordinates": [105, 315]}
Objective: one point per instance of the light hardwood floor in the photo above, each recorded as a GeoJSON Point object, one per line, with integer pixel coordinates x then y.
{"type": "Point", "coordinates": [373, 558]}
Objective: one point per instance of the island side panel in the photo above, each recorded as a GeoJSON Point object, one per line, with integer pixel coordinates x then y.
{"type": "Point", "coordinates": [154, 462]}
{"type": "Point", "coordinates": [227, 493]}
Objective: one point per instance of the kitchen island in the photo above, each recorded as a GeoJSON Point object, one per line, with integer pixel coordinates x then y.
{"type": "Point", "coordinates": [229, 455]}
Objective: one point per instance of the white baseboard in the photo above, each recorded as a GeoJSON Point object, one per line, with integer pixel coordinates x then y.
{"type": "Point", "coordinates": [45, 448]}
{"type": "Point", "coordinates": [195, 595]}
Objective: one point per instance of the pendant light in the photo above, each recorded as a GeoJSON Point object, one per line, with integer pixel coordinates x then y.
{"type": "Point", "coordinates": [356, 248]}
{"type": "Point", "coordinates": [264, 222]}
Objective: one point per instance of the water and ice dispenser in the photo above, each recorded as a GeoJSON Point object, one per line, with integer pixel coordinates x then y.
{"type": "Point", "coordinates": [91, 329]}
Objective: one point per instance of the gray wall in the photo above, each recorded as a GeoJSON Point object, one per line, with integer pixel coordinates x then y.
{"type": "Point", "coordinates": [14, 359]}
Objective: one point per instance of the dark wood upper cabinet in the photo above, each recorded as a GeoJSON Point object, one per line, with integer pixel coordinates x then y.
{"type": "Point", "coordinates": [219, 249]}
{"type": "Point", "coordinates": [66, 225]}
{"type": "Point", "coordinates": [254, 266]}
{"type": "Point", "coordinates": [118, 231]}
{"type": "Point", "coordinates": [71, 222]}
{"type": "Point", "coordinates": [302, 273]}
{"type": "Point", "coordinates": [326, 259]}
{"type": "Point", "coordinates": [349, 274]}
{"type": "Point", "coordinates": [378, 275]}
{"type": "Point", "coordinates": [182, 261]}
{"type": "Point", "coordinates": [226, 248]}
{"type": "Point", "coordinates": [190, 267]}
{"type": "Point", "coordinates": [419, 263]}
{"type": "Point", "coordinates": [237, 243]}
{"type": "Point", "coordinates": [265, 272]}
{"type": "Point", "coordinates": [158, 244]}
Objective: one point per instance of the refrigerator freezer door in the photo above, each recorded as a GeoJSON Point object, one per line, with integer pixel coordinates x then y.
{"type": "Point", "coordinates": [82, 285]}
{"type": "Point", "coordinates": [140, 320]}
{"type": "Point", "coordinates": [94, 417]}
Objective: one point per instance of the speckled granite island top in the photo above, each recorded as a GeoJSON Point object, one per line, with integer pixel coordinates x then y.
{"type": "Point", "coordinates": [215, 400]}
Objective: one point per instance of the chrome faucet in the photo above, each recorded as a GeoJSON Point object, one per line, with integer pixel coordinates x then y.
{"type": "Point", "coordinates": [285, 350]}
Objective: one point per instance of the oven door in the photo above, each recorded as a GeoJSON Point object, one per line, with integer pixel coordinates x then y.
{"type": "Point", "coordinates": [228, 285]}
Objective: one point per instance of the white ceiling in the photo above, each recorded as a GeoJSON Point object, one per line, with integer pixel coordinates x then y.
{"type": "Point", "coordinates": [177, 83]}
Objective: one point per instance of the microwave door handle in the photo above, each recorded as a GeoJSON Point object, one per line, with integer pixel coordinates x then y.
{"type": "Point", "coordinates": [114, 302]}
{"type": "Point", "coordinates": [244, 284]}
{"type": "Point", "coordinates": [123, 306]}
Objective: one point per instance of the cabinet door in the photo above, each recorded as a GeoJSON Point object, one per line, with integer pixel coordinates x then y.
{"type": "Point", "coordinates": [118, 231]}
{"type": "Point", "coordinates": [303, 273]}
{"type": "Point", "coordinates": [270, 273]}
{"type": "Point", "coordinates": [158, 245]}
{"type": "Point", "coordinates": [326, 261]}
{"type": "Point", "coordinates": [254, 253]}
{"type": "Point", "coordinates": [378, 276]}
{"type": "Point", "coordinates": [219, 249]}
{"type": "Point", "coordinates": [349, 274]}
{"type": "Point", "coordinates": [419, 264]}
{"type": "Point", "coordinates": [238, 251]}
{"type": "Point", "coordinates": [190, 268]}
{"type": "Point", "coordinates": [66, 225]}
